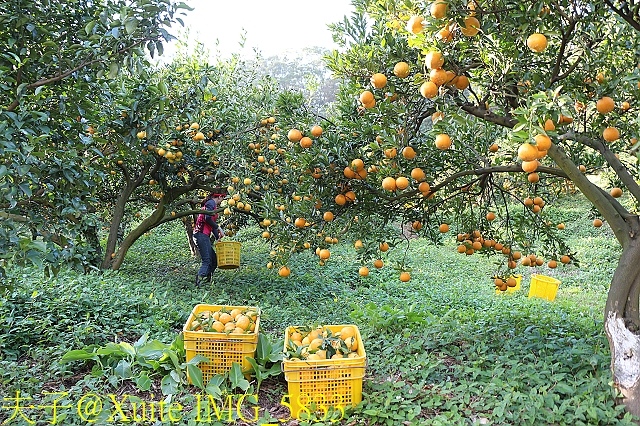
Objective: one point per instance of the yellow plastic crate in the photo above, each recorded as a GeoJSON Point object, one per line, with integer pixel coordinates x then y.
{"type": "Point", "coordinates": [512, 289]}
{"type": "Point", "coordinates": [331, 383]}
{"type": "Point", "coordinates": [228, 254]}
{"type": "Point", "coordinates": [544, 287]}
{"type": "Point", "coordinates": [221, 349]}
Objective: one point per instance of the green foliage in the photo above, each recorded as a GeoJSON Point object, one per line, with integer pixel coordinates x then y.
{"type": "Point", "coordinates": [441, 349]}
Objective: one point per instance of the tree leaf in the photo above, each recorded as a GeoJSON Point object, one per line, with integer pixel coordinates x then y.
{"type": "Point", "coordinates": [130, 25]}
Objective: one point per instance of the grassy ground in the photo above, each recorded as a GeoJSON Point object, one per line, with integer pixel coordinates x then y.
{"type": "Point", "coordinates": [442, 349]}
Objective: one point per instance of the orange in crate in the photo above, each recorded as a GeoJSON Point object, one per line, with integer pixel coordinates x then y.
{"type": "Point", "coordinates": [333, 384]}
{"type": "Point", "coordinates": [222, 349]}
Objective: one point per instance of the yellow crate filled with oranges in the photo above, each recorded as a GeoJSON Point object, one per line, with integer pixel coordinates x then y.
{"type": "Point", "coordinates": [324, 367]}
{"type": "Point", "coordinates": [222, 334]}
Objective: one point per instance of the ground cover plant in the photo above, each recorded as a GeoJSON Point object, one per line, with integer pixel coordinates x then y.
{"type": "Point", "coordinates": [442, 349]}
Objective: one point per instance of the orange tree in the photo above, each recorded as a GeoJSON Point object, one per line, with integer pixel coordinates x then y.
{"type": "Point", "coordinates": [171, 134]}
{"type": "Point", "coordinates": [463, 120]}
{"type": "Point", "coordinates": [54, 57]}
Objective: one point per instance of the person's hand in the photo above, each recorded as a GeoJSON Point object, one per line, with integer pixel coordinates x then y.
{"type": "Point", "coordinates": [220, 233]}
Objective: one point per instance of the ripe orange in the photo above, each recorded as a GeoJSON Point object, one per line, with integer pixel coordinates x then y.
{"type": "Point", "coordinates": [438, 9]}
{"type": "Point", "coordinates": [384, 246]}
{"type": "Point", "coordinates": [537, 42]}
{"type": "Point", "coordinates": [300, 222]}
{"type": "Point", "coordinates": [409, 153]}
{"type": "Point", "coordinates": [306, 142]}
{"type": "Point", "coordinates": [415, 24]}
{"type": "Point", "coordinates": [416, 225]}
{"type": "Point", "coordinates": [616, 192]}
{"type": "Point", "coordinates": [527, 152]}
{"type": "Point", "coordinates": [340, 200]}
{"type": "Point", "coordinates": [424, 187]}
{"type": "Point", "coordinates": [611, 134]}
{"type": "Point", "coordinates": [582, 168]}
{"type": "Point", "coordinates": [461, 82]}
{"type": "Point", "coordinates": [533, 177]}
{"type": "Point", "coordinates": [369, 105]}
{"type": "Point", "coordinates": [401, 69]}
{"type": "Point", "coordinates": [324, 254]}
{"type": "Point", "coordinates": [543, 142]}
{"type": "Point", "coordinates": [445, 34]}
{"type": "Point", "coordinates": [552, 264]}
{"type": "Point", "coordinates": [560, 226]}
{"type": "Point", "coordinates": [597, 223]}
{"type": "Point", "coordinates": [434, 59]}
{"type": "Point", "coordinates": [405, 276]}
{"type": "Point", "coordinates": [565, 259]}
{"type": "Point", "coordinates": [491, 216]}
{"type": "Point", "coordinates": [378, 80]}
{"type": "Point", "coordinates": [350, 196]}
{"type": "Point", "coordinates": [357, 164]}
{"type": "Point", "coordinates": [443, 141]}
{"type": "Point", "coordinates": [625, 106]}
{"type": "Point", "coordinates": [443, 228]}
{"type": "Point", "coordinates": [390, 152]}
{"type": "Point", "coordinates": [471, 26]}
{"type": "Point", "coordinates": [402, 182]}
{"type": "Point", "coordinates": [389, 183]}
{"type": "Point", "coordinates": [494, 147]}
{"type": "Point", "coordinates": [366, 97]}
{"type": "Point", "coordinates": [418, 174]}
{"type": "Point", "coordinates": [530, 166]}
{"type": "Point", "coordinates": [429, 90]}
{"type": "Point", "coordinates": [438, 76]}
{"type": "Point", "coordinates": [327, 216]}
{"type": "Point", "coordinates": [378, 263]}
{"type": "Point", "coordinates": [549, 126]}
{"type": "Point", "coordinates": [284, 271]}
{"type": "Point", "coordinates": [316, 131]}
{"type": "Point", "coordinates": [605, 105]}
{"type": "Point", "coordinates": [363, 271]}
{"type": "Point", "coordinates": [294, 135]}
{"type": "Point", "coordinates": [349, 173]}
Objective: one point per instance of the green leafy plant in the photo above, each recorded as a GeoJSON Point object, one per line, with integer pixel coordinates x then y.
{"type": "Point", "coordinates": [140, 362]}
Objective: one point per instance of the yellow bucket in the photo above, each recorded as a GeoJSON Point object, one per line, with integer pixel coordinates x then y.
{"type": "Point", "coordinates": [544, 287]}
{"type": "Point", "coordinates": [228, 254]}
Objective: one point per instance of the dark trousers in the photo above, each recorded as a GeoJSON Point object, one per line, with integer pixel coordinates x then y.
{"type": "Point", "coordinates": [208, 255]}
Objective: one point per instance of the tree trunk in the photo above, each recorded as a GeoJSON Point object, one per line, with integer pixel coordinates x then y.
{"type": "Point", "coordinates": [149, 223]}
{"type": "Point", "coordinates": [621, 326]}
{"type": "Point", "coordinates": [116, 220]}
{"type": "Point", "coordinates": [188, 229]}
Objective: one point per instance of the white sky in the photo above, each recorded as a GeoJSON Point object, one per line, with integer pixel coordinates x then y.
{"type": "Point", "coordinates": [272, 26]}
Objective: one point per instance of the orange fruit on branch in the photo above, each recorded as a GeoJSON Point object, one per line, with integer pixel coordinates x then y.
{"type": "Point", "coordinates": [434, 59]}
{"type": "Point", "coordinates": [401, 70]}
{"type": "Point", "coordinates": [438, 9]}
{"type": "Point", "coordinates": [443, 141]}
{"type": "Point", "coordinates": [471, 26]}
{"type": "Point", "coordinates": [605, 105]}
{"type": "Point", "coordinates": [543, 142]}
{"type": "Point", "coordinates": [415, 24]}
{"type": "Point", "coordinates": [429, 90]}
{"type": "Point", "coordinates": [294, 135]}
{"type": "Point", "coordinates": [389, 183]}
{"type": "Point", "coordinates": [527, 152]}
{"type": "Point", "coordinates": [537, 42]}
{"type": "Point", "coordinates": [616, 192]}
{"type": "Point", "coordinates": [378, 80]}
{"type": "Point", "coordinates": [611, 134]}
